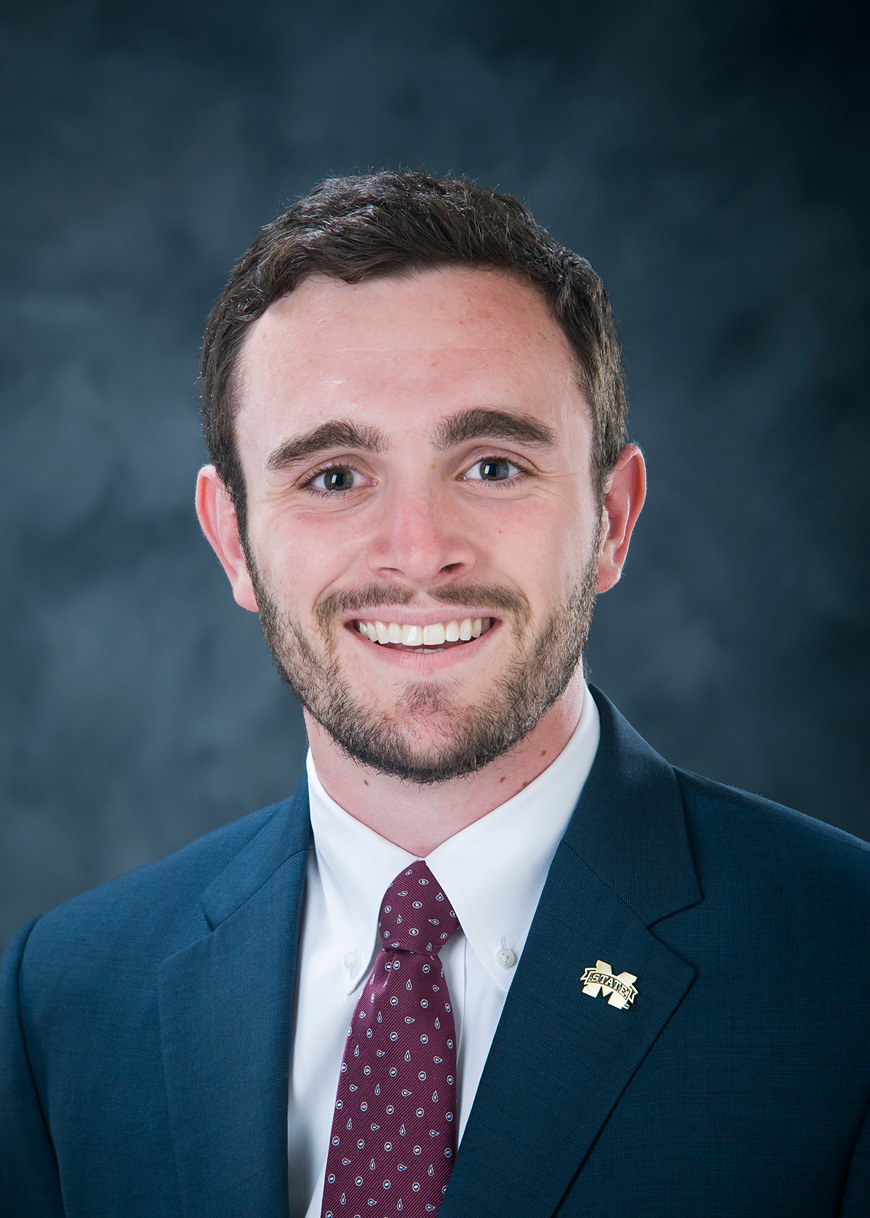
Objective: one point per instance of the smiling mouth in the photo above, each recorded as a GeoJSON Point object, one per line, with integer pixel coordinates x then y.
{"type": "Point", "coordinates": [439, 636]}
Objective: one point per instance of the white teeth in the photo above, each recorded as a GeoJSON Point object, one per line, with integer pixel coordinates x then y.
{"type": "Point", "coordinates": [429, 636]}
{"type": "Point", "coordinates": [433, 635]}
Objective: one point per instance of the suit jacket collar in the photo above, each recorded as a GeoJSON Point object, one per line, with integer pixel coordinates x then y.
{"type": "Point", "coordinates": [561, 1058]}
{"type": "Point", "coordinates": [629, 827]}
{"type": "Point", "coordinates": [284, 835]}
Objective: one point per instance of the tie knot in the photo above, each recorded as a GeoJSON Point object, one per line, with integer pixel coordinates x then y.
{"type": "Point", "coordinates": [415, 914]}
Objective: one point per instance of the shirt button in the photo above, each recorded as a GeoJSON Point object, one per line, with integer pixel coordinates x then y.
{"type": "Point", "coordinates": [351, 961]}
{"type": "Point", "coordinates": [506, 958]}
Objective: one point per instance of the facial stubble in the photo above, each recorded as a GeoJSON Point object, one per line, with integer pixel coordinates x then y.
{"type": "Point", "coordinates": [472, 735]}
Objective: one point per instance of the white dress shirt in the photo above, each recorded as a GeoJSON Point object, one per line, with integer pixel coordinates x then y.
{"type": "Point", "coordinates": [493, 873]}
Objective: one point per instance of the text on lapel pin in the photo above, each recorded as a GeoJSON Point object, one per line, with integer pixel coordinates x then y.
{"type": "Point", "coordinates": [617, 988]}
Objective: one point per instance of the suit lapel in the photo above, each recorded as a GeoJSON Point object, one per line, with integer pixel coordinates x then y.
{"type": "Point", "coordinates": [561, 1058]}
{"type": "Point", "coordinates": [225, 1011]}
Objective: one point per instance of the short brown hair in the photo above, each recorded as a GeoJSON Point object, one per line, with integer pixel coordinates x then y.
{"type": "Point", "coordinates": [382, 224]}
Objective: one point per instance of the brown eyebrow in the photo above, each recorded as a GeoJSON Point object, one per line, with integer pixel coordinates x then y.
{"type": "Point", "coordinates": [337, 433]}
{"type": "Point", "coordinates": [482, 421]}
{"type": "Point", "coordinates": [476, 423]}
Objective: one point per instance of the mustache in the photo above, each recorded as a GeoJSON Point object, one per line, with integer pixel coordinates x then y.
{"type": "Point", "coordinates": [469, 596]}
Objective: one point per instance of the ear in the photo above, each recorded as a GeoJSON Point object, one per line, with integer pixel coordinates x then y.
{"type": "Point", "coordinates": [623, 499]}
{"type": "Point", "coordinates": [217, 517]}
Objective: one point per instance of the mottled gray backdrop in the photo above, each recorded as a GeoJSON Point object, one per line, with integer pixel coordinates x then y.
{"type": "Point", "coordinates": [710, 160]}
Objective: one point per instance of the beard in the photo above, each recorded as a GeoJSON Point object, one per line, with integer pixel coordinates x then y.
{"type": "Point", "coordinates": [398, 742]}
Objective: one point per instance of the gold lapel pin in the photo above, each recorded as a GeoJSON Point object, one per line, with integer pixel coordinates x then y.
{"type": "Point", "coordinates": [617, 987]}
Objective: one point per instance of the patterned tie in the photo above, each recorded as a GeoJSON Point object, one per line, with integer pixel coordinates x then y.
{"type": "Point", "coordinates": [394, 1133]}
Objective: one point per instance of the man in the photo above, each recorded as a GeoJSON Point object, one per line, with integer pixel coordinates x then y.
{"type": "Point", "coordinates": [631, 991]}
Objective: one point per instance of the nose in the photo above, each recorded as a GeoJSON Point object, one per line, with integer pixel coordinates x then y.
{"type": "Point", "coordinates": [420, 539]}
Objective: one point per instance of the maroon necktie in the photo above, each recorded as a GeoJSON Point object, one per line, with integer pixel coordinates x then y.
{"type": "Point", "coordinates": [394, 1129]}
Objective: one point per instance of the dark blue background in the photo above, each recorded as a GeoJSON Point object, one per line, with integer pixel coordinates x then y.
{"type": "Point", "coordinates": [711, 162]}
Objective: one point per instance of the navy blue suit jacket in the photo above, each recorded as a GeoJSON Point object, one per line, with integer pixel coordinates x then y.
{"type": "Point", "coordinates": [146, 1025]}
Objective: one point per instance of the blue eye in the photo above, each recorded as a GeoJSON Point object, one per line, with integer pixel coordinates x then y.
{"type": "Point", "coordinates": [492, 469]}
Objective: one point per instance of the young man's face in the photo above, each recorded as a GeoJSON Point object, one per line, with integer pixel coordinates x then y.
{"type": "Point", "coordinates": [417, 458]}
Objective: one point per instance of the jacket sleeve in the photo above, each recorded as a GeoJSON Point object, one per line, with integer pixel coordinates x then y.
{"type": "Point", "coordinates": [856, 1196]}
{"type": "Point", "coordinates": [29, 1180]}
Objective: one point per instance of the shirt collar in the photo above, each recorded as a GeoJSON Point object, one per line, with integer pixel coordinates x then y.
{"type": "Point", "coordinates": [493, 871]}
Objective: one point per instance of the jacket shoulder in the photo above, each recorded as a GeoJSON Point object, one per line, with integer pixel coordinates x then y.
{"type": "Point", "coordinates": [160, 903]}
{"type": "Point", "coordinates": [745, 832]}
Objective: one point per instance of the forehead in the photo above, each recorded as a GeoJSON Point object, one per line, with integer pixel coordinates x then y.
{"type": "Point", "coordinates": [408, 349]}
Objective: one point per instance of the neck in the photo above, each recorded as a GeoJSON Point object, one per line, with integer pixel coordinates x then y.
{"type": "Point", "coordinates": [419, 817]}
